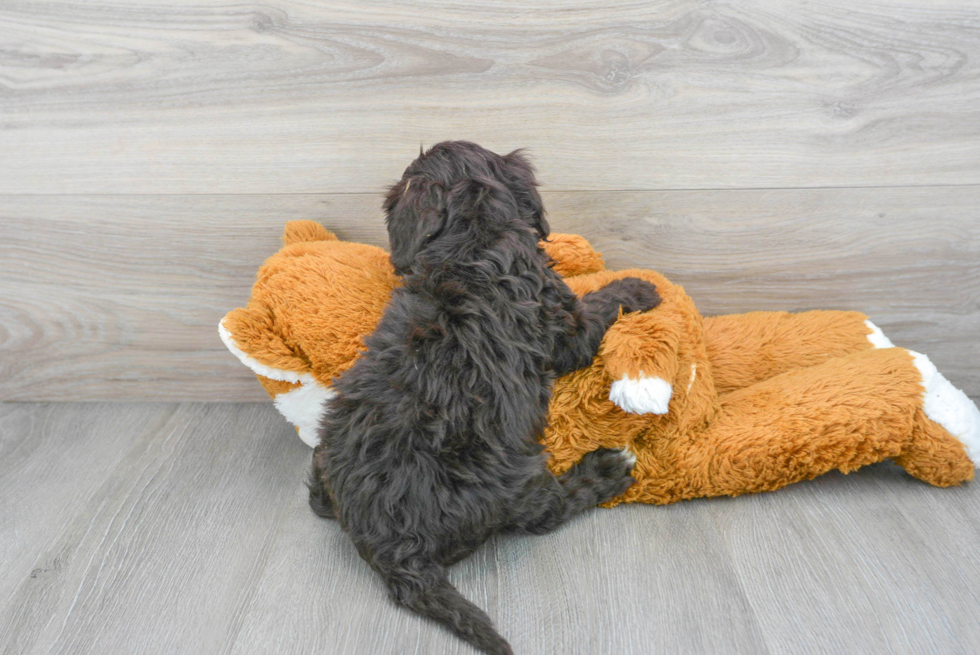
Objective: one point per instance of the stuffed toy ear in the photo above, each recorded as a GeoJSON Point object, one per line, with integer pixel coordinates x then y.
{"type": "Point", "coordinates": [301, 231]}
{"type": "Point", "coordinates": [572, 255]}
{"type": "Point", "coordinates": [251, 335]}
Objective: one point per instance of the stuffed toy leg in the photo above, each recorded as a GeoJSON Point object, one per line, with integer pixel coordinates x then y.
{"type": "Point", "coordinates": [756, 401]}
{"type": "Point", "coordinates": [843, 414]}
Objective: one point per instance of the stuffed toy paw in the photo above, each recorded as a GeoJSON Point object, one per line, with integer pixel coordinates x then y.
{"type": "Point", "coordinates": [708, 406]}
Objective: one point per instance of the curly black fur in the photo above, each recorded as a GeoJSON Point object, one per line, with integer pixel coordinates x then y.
{"type": "Point", "coordinates": [430, 445]}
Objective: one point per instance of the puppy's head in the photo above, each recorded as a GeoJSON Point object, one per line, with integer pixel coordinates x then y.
{"type": "Point", "coordinates": [458, 194]}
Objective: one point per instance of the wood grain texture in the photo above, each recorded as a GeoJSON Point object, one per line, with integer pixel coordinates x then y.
{"type": "Point", "coordinates": [184, 528]}
{"type": "Point", "coordinates": [308, 97]}
{"type": "Point", "coordinates": [50, 465]}
{"type": "Point", "coordinates": [606, 583]}
{"type": "Point", "coordinates": [162, 551]}
{"type": "Point", "coordinates": [106, 297]}
{"type": "Point", "coordinates": [871, 562]}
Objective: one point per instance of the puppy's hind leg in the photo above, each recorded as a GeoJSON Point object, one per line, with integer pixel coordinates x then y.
{"type": "Point", "coordinates": [320, 501]}
{"type": "Point", "coordinates": [423, 587]}
{"type": "Point", "coordinates": [316, 482]}
{"type": "Point", "coordinates": [601, 475]}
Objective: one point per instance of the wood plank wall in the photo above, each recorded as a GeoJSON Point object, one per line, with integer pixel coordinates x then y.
{"type": "Point", "coordinates": [767, 155]}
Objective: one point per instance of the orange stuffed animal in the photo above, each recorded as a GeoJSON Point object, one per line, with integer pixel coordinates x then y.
{"type": "Point", "coordinates": [710, 406]}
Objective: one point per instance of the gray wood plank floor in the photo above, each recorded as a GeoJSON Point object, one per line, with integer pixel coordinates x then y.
{"type": "Point", "coordinates": [165, 528]}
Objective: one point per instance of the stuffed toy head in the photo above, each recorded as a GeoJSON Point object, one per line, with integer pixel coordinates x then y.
{"type": "Point", "coordinates": [710, 406]}
{"type": "Point", "coordinates": [311, 306]}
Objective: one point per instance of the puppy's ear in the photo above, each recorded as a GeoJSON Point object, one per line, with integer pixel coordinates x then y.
{"type": "Point", "coordinates": [415, 213]}
{"type": "Point", "coordinates": [480, 208]}
{"type": "Point", "coordinates": [521, 179]}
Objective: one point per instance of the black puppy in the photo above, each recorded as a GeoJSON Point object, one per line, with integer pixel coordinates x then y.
{"type": "Point", "coordinates": [430, 445]}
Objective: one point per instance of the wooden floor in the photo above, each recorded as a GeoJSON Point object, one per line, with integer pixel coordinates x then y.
{"type": "Point", "coordinates": [183, 528]}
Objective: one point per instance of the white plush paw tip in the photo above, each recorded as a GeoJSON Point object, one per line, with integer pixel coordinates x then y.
{"type": "Point", "coordinates": [641, 396]}
{"type": "Point", "coordinates": [949, 407]}
{"type": "Point", "coordinates": [877, 337]}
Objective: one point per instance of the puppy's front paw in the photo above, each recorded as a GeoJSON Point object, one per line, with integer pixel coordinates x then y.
{"type": "Point", "coordinates": [607, 471]}
{"type": "Point", "coordinates": [636, 295]}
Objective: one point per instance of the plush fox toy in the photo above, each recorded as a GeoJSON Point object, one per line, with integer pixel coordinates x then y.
{"type": "Point", "coordinates": [710, 406]}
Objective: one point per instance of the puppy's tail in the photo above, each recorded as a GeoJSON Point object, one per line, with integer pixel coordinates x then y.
{"type": "Point", "coordinates": [425, 589]}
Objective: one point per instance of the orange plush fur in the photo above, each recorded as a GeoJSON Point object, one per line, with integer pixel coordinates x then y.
{"type": "Point", "coordinates": [710, 406]}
